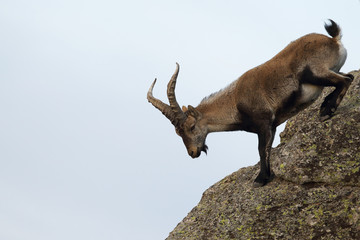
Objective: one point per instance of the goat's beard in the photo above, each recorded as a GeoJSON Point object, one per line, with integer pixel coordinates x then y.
{"type": "Point", "coordinates": [205, 149]}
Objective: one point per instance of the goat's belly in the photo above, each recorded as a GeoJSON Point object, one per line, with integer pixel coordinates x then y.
{"type": "Point", "coordinates": [309, 93]}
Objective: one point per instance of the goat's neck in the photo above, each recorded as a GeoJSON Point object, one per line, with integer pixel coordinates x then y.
{"type": "Point", "coordinates": [220, 115]}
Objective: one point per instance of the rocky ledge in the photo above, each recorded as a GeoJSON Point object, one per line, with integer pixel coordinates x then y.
{"type": "Point", "coordinates": [316, 191]}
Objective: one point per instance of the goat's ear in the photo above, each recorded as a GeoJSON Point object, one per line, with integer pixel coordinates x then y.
{"type": "Point", "coordinates": [184, 109]}
{"type": "Point", "coordinates": [193, 112]}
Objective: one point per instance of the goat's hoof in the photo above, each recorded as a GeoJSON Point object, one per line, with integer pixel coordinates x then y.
{"type": "Point", "coordinates": [259, 184]}
{"type": "Point", "coordinates": [261, 181]}
{"type": "Point", "coordinates": [327, 112]}
{"type": "Point", "coordinates": [350, 76]}
{"type": "Point", "coordinates": [324, 118]}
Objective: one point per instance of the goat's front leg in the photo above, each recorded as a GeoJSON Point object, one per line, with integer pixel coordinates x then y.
{"type": "Point", "coordinates": [266, 138]}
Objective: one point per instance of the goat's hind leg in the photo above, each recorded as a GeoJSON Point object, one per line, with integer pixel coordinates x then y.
{"type": "Point", "coordinates": [332, 101]}
{"type": "Point", "coordinates": [328, 78]}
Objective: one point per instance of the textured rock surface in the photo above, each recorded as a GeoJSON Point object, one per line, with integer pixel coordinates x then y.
{"type": "Point", "coordinates": [315, 194]}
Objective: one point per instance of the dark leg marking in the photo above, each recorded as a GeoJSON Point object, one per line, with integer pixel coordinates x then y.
{"type": "Point", "coordinates": [333, 100]}
{"type": "Point", "coordinates": [327, 78]}
{"type": "Point", "coordinates": [266, 138]}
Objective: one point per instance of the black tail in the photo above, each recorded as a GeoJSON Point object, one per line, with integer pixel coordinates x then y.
{"type": "Point", "coordinates": [333, 29]}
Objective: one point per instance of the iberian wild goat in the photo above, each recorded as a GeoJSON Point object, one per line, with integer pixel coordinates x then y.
{"type": "Point", "coordinates": [265, 96]}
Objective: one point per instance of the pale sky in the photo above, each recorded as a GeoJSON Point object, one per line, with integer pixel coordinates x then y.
{"type": "Point", "coordinates": [83, 155]}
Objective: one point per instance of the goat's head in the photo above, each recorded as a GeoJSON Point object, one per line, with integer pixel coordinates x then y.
{"type": "Point", "coordinates": [189, 123]}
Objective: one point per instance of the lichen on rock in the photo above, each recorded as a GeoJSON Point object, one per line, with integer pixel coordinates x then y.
{"type": "Point", "coordinates": [316, 191]}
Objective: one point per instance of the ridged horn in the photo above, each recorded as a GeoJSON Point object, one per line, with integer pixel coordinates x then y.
{"type": "Point", "coordinates": [179, 114]}
{"type": "Point", "coordinates": [164, 108]}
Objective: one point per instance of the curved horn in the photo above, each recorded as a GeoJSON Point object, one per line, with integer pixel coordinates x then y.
{"type": "Point", "coordinates": [179, 114]}
{"type": "Point", "coordinates": [164, 108]}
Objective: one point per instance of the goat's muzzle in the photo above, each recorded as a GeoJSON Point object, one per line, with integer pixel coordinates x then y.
{"type": "Point", "coordinates": [195, 153]}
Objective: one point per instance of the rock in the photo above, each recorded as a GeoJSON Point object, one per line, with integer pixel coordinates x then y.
{"type": "Point", "coordinates": [316, 191]}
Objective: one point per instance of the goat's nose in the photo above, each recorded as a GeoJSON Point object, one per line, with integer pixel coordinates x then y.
{"type": "Point", "coordinates": [192, 153]}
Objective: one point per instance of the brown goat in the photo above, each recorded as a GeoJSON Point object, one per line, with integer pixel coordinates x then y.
{"type": "Point", "coordinates": [265, 96]}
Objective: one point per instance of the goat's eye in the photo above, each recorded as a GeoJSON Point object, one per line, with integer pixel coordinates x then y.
{"type": "Point", "coordinates": [192, 128]}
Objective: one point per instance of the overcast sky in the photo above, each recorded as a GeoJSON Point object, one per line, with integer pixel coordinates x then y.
{"type": "Point", "coordinates": [83, 155]}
